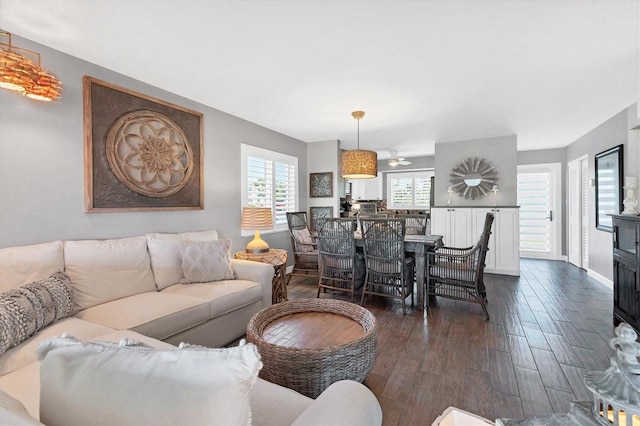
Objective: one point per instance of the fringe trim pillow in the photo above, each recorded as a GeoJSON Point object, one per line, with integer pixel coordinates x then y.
{"type": "Point", "coordinates": [28, 309]}
{"type": "Point", "coordinates": [104, 383]}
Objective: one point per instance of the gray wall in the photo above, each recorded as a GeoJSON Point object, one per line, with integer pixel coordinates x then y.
{"type": "Point", "coordinates": [612, 132]}
{"type": "Point", "coordinates": [42, 165]}
{"type": "Point", "coordinates": [499, 151]}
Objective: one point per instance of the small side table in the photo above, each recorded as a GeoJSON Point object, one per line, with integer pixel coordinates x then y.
{"type": "Point", "coordinates": [277, 258]}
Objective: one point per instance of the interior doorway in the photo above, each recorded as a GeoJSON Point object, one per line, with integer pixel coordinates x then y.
{"type": "Point", "coordinates": [578, 218]}
{"type": "Point", "coordinates": [539, 194]}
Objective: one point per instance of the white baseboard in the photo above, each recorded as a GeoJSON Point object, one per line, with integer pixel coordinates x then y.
{"type": "Point", "coordinates": [601, 279]}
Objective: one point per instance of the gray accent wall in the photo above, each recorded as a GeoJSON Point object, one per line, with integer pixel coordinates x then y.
{"type": "Point", "coordinates": [501, 152]}
{"type": "Point", "coordinates": [42, 165]}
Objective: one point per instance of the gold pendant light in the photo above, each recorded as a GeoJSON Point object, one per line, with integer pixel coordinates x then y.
{"type": "Point", "coordinates": [358, 164]}
{"type": "Point", "coordinates": [20, 74]}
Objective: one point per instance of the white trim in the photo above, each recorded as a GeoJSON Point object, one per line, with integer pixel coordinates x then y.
{"type": "Point", "coordinates": [601, 279]}
{"type": "Point", "coordinates": [250, 150]}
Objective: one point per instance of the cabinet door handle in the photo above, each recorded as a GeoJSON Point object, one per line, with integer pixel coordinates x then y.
{"type": "Point", "coordinates": [550, 217]}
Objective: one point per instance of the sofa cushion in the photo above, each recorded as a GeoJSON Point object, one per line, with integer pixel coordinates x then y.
{"type": "Point", "coordinates": [25, 352]}
{"type": "Point", "coordinates": [223, 296]}
{"type": "Point", "coordinates": [157, 315]}
{"type": "Point", "coordinates": [28, 309]}
{"type": "Point", "coordinates": [136, 384]}
{"type": "Point", "coordinates": [24, 383]}
{"type": "Point", "coordinates": [12, 412]}
{"type": "Point", "coordinates": [204, 262]}
{"type": "Point", "coordinates": [164, 250]}
{"type": "Point", "coordinates": [25, 264]}
{"type": "Point", "coordinates": [106, 270]}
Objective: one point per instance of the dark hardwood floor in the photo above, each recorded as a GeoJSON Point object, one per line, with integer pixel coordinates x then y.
{"type": "Point", "coordinates": [548, 327]}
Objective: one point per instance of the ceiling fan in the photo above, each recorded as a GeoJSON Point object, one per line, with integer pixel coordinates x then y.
{"type": "Point", "coordinates": [395, 160]}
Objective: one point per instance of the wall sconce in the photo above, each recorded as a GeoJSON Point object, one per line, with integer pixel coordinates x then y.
{"type": "Point", "coordinates": [450, 191]}
{"type": "Point", "coordinates": [256, 218]}
{"type": "Point", "coordinates": [20, 74]}
{"type": "Point", "coordinates": [495, 190]}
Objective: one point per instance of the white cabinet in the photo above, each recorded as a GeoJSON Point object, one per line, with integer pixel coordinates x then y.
{"type": "Point", "coordinates": [366, 189]}
{"type": "Point", "coordinates": [462, 227]}
{"type": "Point", "coordinates": [455, 224]}
{"type": "Point", "coordinates": [504, 243]}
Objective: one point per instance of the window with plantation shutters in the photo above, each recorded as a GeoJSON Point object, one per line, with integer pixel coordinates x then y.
{"type": "Point", "coordinates": [411, 190]}
{"type": "Point", "coordinates": [270, 179]}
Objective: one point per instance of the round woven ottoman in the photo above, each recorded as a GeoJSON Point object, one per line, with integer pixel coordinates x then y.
{"type": "Point", "coordinates": [311, 370]}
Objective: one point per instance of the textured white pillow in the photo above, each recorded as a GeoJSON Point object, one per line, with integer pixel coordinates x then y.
{"type": "Point", "coordinates": [132, 384]}
{"type": "Point", "coordinates": [203, 262]}
{"type": "Point", "coordinates": [164, 250]}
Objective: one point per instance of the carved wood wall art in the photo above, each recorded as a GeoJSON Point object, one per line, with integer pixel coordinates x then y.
{"type": "Point", "coordinates": [141, 153]}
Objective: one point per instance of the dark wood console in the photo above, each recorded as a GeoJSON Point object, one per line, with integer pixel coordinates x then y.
{"type": "Point", "coordinates": [626, 270]}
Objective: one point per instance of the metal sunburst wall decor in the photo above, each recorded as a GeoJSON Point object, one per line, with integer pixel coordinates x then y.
{"type": "Point", "coordinates": [473, 178]}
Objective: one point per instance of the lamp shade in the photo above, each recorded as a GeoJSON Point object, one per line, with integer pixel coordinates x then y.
{"type": "Point", "coordinates": [256, 218]}
{"type": "Point", "coordinates": [358, 164]}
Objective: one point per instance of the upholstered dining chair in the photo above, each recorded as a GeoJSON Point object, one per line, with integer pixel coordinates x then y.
{"type": "Point", "coordinates": [389, 273]}
{"type": "Point", "coordinates": [341, 266]}
{"type": "Point", "coordinates": [303, 245]}
{"type": "Point", "coordinates": [458, 273]}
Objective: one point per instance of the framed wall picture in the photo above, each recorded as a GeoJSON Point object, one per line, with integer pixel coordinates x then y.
{"type": "Point", "coordinates": [608, 186]}
{"type": "Point", "coordinates": [316, 213]}
{"type": "Point", "coordinates": [321, 184]}
{"type": "Point", "coordinates": [141, 153]}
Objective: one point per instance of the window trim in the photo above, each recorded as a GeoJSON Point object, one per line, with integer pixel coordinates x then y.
{"type": "Point", "coordinates": [428, 173]}
{"type": "Point", "coordinates": [254, 151]}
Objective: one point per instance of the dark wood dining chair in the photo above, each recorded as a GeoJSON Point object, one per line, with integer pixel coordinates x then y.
{"type": "Point", "coordinates": [458, 273]}
{"type": "Point", "coordinates": [415, 224]}
{"type": "Point", "coordinates": [389, 273]}
{"type": "Point", "coordinates": [303, 245]}
{"type": "Point", "coordinates": [341, 266]}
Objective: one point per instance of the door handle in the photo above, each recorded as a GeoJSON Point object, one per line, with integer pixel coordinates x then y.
{"type": "Point", "coordinates": [550, 217]}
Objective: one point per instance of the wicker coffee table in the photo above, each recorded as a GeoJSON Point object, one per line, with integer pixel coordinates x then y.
{"type": "Point", "coordinates": [308, 344]}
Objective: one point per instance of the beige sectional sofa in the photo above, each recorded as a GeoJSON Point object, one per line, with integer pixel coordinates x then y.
{"type": "Point", "coordinates": [130, 288]}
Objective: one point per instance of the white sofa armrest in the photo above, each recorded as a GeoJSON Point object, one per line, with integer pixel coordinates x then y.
{"type": "Point", "coordinates": [343, 403]}
{"type": "Point", "coordinates": [255, 271]}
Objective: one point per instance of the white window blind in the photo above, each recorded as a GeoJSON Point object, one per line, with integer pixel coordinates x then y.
{"type": "Point", "coordinates": [409, 190]}
{"type": "Point", "coordinates": [270, 179]}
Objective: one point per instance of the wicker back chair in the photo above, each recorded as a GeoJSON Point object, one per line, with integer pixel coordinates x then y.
{"type": "Point", "coordinates": [341, 267]}
{"type": "Point", "coordinates": [415, 224]}
{"type": "Point", "coordinates": [458, 273]}
{"type": "Point", "coordinates": [389, 273]}
{"type": "Point", "coordinates": [304, 247]}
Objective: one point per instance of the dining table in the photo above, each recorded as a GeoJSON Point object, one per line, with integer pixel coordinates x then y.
{"type": "Point", "coordinates": [419, 246]}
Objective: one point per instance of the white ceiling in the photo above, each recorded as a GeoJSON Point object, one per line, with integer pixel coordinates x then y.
{"type": "Point", "coordinates": [424, 71]}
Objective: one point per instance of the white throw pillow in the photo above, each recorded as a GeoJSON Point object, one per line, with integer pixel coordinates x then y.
{"type": "Point", "coordinates": [132, 384]}
{"type": "Point", "coordinates": [203, 262]}
{"type": "Point", "coordinates": [164, 250]}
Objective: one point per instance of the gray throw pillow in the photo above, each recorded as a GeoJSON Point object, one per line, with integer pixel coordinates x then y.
{"type": "Point", "coordinates": [203, 262]}
{"type": "Point", "coordinates": [28, 309]}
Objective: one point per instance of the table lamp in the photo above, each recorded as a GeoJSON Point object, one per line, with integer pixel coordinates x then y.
{"type": "Point", "coordinates": [256, 218]}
